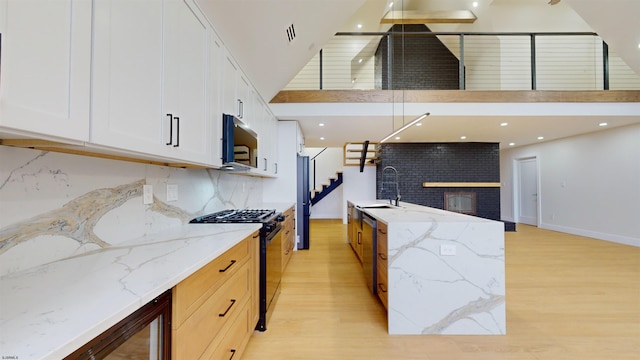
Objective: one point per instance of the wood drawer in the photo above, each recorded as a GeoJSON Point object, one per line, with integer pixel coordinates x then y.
{"type": "Point", "coordinates": [197, 332]}
{"type": "Point", "coordinates": [193, 291]}
{"type": "Point", "coordinates": [235, 338]}
{"type": "Point", "coordinates": [383, 288]}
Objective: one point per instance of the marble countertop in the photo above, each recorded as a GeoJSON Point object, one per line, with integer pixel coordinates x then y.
{"type": "Point", "coordinates": [49, 311]}
{"type": "Point", "coordinates": [411, 213]}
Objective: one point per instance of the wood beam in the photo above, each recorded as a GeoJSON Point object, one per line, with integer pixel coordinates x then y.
{"type": "Point", "coordinates": [455, 96]}
{"type": "Point", "coordinates": [429, 17]}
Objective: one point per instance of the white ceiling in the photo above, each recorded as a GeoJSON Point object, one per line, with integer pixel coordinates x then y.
{"type": "Point", "coordinates": [254, 31]}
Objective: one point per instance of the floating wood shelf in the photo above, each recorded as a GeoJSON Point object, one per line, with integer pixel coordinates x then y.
{"type": "Point", "coordinates": [460, 184]}
{"type": "Point", "coordinates": [429, 17]}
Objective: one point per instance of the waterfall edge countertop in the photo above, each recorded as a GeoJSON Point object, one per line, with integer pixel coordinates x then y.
{"type": "Point", "coordinates": [445, 270]}
{"type": "Point", "coordinates": [49, 311]}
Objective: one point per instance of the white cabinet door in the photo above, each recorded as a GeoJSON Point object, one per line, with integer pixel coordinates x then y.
{"type": "Point", "coordinates": [186, 71]}
{"type": "Point", "coordinates": [230, 101]}
{"type": "Point", "coordinates": [127, 91]}
{"type": "Point", "coordinates": [46, 58]}
{"type": "Point", "coordinates": [214, 99]}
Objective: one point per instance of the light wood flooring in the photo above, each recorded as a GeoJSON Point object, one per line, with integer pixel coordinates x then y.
{"type": "Point", "coordinates": [568, 297]}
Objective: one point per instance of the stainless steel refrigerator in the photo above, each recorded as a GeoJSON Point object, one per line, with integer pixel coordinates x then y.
{"type": "Point", "coordinates": [303, 205]}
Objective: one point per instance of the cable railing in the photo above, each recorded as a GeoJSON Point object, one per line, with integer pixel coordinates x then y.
{"type": "Point", "coordinates": [466, 61]}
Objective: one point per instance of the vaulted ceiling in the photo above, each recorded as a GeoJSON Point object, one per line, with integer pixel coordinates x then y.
{"type": "Point", "coordinates": [255, 32]}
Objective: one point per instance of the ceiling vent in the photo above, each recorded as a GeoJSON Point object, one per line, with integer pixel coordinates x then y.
{"type": "Point", "coordinates": [291, 33]}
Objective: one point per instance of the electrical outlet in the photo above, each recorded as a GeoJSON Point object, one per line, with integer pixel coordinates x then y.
{"type": "Point", "coordinates": [172, 192]}
{"type": "Point", "coordinates": [147, 194]}
{"type": "Point", "coordinates": [447, 250]}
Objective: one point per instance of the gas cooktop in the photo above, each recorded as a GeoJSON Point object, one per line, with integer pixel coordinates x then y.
{"type": "Point", "coordinates": [236, 216]}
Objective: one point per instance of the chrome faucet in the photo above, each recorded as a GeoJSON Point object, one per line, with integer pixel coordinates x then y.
{"type": "Point", "coordinates": [394, 182]}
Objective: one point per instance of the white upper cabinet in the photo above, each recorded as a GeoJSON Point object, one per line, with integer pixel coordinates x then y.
{"type": "Point", "coordinates": [216, 51]}
{"type": "Point", "coordinates": [186, 71]}
{"type": "Point", "coordinates": [45, 67]}
{"type": "Point", "coordinates": [236, 95]}
{"type": "Point", "coordinates": [128, 78]}
{"type": "Point", "coordinates": [150, 82]}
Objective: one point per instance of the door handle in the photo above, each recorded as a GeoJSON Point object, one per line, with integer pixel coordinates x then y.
{"type": "Point", "coordinates": [177, 132]}
{"type": "Point", "coordinates": [170, 129]}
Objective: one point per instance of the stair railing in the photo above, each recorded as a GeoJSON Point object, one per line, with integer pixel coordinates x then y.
{"type": "Point", "coordinates": [313, 159]}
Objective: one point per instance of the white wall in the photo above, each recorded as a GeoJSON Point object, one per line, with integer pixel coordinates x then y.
{"type": "Point", "coordinates": [357, 186]}
{"type": "Point", "coordinates": [589, 185]}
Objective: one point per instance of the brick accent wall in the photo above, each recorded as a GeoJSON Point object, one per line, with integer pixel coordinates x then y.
{"type": "Point", "coordinates": [419, 62]}
{"type": "Point", "coordinates": [442, 162]}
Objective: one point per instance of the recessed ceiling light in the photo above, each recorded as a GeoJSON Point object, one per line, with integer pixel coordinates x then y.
{"type": "Point", "coordinates": [512, 144]}
{"type": "Point", "coordinates": [419, 124]}
{"type": "Point", "coordinates": [359, 26]}
{"type": "Point", "coordinates": [391, 4]}
{"type": "Point", "coordinates": [321, 124]}
{"type": "Point", "coordinates": [475, 4]}
{"type": "Point", "coordinates": [504, 124]}
{"type": "Point", "coordinates": [322, 138]}
{"type": "Point", "coordinates": [540, 137]}
{"type": "Point", "coordinates": [397, 137]}
{"type": "Point", "coordinates": [462, 137]}
{"type": "Point", "coordinates": [360, 61]}
{"type": "Point", "coordinates": [603, 124]}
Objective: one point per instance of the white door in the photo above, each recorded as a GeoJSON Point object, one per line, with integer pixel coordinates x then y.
{"type": "Point", "coordinates": [528, 191]}
{"type": "Point", "coordinates": [46, 59]}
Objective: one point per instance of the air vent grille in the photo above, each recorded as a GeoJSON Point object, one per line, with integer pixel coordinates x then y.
{"type": "Point", "coordinates": [291, 33]}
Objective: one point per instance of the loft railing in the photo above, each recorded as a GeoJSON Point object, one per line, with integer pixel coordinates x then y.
{"type": "Point", "coordinates": [473, 61]}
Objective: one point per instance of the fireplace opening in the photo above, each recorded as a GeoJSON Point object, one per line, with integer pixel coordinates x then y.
{"type": "Point", "coordinates": [460, 202]}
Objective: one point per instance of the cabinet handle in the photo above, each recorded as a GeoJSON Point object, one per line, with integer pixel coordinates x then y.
{"type": "Point", "coordinates": [228, 266]}
{"type": "Point", "coordinates": [177, 132]}
{"type": "Point", "coordinates": [382, 256]}
{"type": "Point", "coordinates": [359, 238]}
{"type": "Point", "coordinates": [382, 232]}
{"type": "Point", "coordinates": [233, 301]}
{"type": "Point", "coordinates": [276, 168]}
{"type": "Point", "coordinates": [382, 287]}
{"type": "Point", "coordinates": [256, 236]}
{"type": "Point", "coordinates": [233, 352]}
{"type": "Point", "coordinates": [265, 164]}
{"type": "Point", "coordinates": [286, 252]}
{"type": "Point", "coordinates": [170, 129]}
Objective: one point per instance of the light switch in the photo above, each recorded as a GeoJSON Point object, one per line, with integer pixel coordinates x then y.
{"type": "Point", "coordinates": [147, 194]}
{"type": "Point", "coordinates": [172, 192]}
{"type": "Point", "coordinates": [447, 250]}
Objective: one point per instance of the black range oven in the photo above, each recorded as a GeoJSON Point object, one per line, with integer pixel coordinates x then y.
{"type": "Point", "coordinates": [270, 251]}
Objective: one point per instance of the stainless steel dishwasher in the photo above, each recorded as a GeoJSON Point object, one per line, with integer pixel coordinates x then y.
{"type": "Point", "coordinates": [369, 245]}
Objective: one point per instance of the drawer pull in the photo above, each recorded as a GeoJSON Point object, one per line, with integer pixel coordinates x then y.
{"type": "Point", "coordinates": [382, 287]}
{"type": "Point", "coordinates": [233, 301]}
{"type": "Point", "coordinates": [228, 266]}
{"type": "Point", "coordinates": [287, 252]}
{"type": "Point", "coordinates": [382, 232]}
{"type": "Point", "coordinates": [233, 353]}
{"type": "Point", "coordinates": [256, 236]}
{"type": "Point", "coordinates": [382, 256]}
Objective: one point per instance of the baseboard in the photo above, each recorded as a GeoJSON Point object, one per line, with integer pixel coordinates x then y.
{"type": "Point", "coordinates": [625, 240]}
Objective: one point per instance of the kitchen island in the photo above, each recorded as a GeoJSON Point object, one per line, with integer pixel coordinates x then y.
{"type": "Point", "coordinates": [445, 270]}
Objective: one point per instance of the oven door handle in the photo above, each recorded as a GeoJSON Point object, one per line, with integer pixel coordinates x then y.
{"type": "Point", "coordinates": [273, 233]}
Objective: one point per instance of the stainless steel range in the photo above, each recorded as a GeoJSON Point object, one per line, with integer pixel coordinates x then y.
{"type": "Point", "coordinates": [270, 251]}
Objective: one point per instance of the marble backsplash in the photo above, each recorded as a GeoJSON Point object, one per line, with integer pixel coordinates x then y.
{"type": "Point", "coordinates": [55, 205]}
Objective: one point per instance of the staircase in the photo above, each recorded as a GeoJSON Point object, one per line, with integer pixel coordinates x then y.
{"type": "Point", "coordinates": [353, 154]}
{"type": "Point", "coordinates": [317, 195]}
